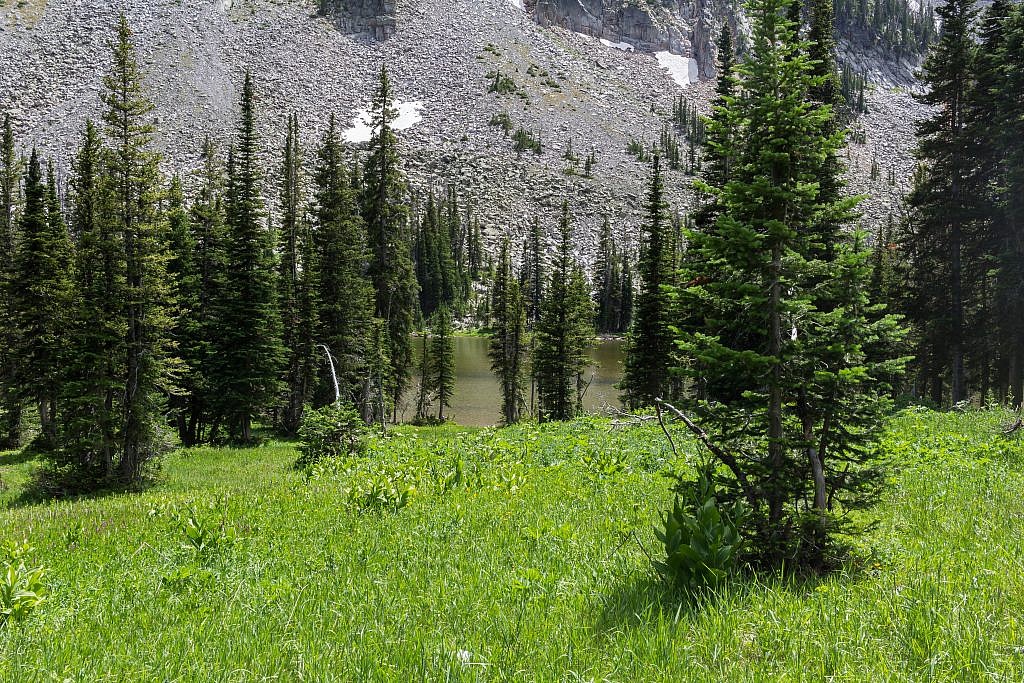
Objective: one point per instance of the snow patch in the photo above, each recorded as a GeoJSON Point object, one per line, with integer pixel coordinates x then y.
{"type": "Point", "coordinates": [518, 4]}
{"type": "Point", "coordinates": [408, 116]}
{"type": "Point", "coordinates": [682, 69]}
{"type": "Point", "coordinates": [625, 47]}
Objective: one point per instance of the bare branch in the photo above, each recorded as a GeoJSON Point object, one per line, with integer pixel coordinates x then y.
{"type": "Point", "coordinates": [727, 458]}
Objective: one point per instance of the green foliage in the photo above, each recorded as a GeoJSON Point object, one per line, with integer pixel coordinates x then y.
{"type": "Point", "coordinates": [22, 590]}
{"type": "Point", "coordinates": [527, 140]}
{"type": "Point", "coordinates": [507, 348]}
{"type": "Point", "coordinates": [330, 433]}
{"type": "Point", "coordinates": [502, 120]}
{"type": "Point", "coordinates": [527, 554]}
{"type": "Point", "coordinates": [248, 353]}
{"type": "Point", "coordinates": [649, 352]}
{"type": "Point", "coordinates": [386, 214]}
{"type": "Point", "coordinates": [563, 334]}
{"type": "Point", "coordinates": [702, 541]}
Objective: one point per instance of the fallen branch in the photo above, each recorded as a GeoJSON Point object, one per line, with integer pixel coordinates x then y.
{"type": "Point", "coordinates": [727, 458]}
{"type": "Point", "coordinates": [1016, 426]}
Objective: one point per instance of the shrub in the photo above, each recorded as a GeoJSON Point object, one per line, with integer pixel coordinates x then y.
{"type": "Point", "coordinates": [701, 538]}
{"type": "Point", "coordinates": [334, 431]}
{"type": "Point", "coordinates": [21, 589]}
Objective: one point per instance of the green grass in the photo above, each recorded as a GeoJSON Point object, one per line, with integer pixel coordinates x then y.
{"type": "Point", "coordinates": [524, 565]}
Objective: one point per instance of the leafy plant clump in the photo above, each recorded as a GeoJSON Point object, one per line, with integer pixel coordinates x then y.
{"type": "Point", "coordinates": [334, 431]}
{"type": "Point", "coordinates": [701, 537]}
{"type": "Point", "coordinates": [21, 589]}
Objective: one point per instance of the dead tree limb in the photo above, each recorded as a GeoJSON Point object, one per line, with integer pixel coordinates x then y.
{"type": "Point", "coordinates": [1016, 425]}
{"type": "Point", "coordinates": [727, 458]}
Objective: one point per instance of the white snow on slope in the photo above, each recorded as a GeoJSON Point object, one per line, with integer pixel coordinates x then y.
{"type": "Point", "coordinates": [408, 116]}
{"type": "Point", "coordinates": [682, 69]}
{"type": "Point", "coordinates": [517, 3]}
{"type": "Point", "coordinates": [625, 47]}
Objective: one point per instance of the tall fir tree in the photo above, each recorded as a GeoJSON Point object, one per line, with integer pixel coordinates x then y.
{"type": "Point", "coordinates": [1009, 247]}
{"type": "Point", "coordinates": [295, 286]}
{"type": "Point", "coordinates": [387, 223]}
{"type": "Point", "coordinates": [42, 293]}
{"type": "Point", "coordinates": [248, 345]}
{"type": "Point", "coordinates": [442, 358]}
{"type": "Point", "coordinates": [92, 382]}
{"type": "Point", "coordinates": [939, 231]}
{"type": "Point", "coordinates": [133, 175]}
{"type": "Point", "coordinates": [786, 386]}
{"type": "Point", "coordinates": [183, 275]}
{"type": "Point", "coordinates": [10, 180]}
{"type": "Point", "coordinates": [507, 347]}
{"type": "Point", "coordinates": [196, 345]}
{"type": "Point", "coordinates": [345, 296]}
{"type": "Point", "coordinates": [564, 334]}
{"type": "Point", "coordinates": [649, 348]}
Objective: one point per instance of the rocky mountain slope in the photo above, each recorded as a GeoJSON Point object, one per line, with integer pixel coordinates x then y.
{"type": "Point", "coordinates": [444, 56]}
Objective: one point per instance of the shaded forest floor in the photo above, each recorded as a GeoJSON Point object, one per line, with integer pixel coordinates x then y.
{"type": "Point", "coordinates": [483, 555]}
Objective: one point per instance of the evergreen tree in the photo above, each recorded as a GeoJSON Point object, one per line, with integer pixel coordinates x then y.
{"type": "Point", "coordinates": [132, 173]}
{"type": "Point", "coordinates": [610, 283]}
{"type": "Point", "coordinates": [1009, 241]}
{"type": "Point", "coordinates": [387, 223]}
{"type": "Point", "coordinates": [442, 359]}
{"type": "Point", "coordinates": [10, 399]}
{"type": "Point", "coordinates": [507, 348]}
{"type": "Point", "coordinates": [182, 270]}
{"type": "Point", "coordinates": [199, 329]}
{"type": "Point", "coordinates": [786, 379]}
{"type": "Point", "coordinates": [294, 287]}
{"type": "Point", "coordinates": [649, 349]}
{"type": "Point", "coordinates": [532, 276]}
{"type": "Point", "coordinates": [249, 352]}
{"type": "Point", "coordinates": [41, 294]}
{"type": "Point", "coordinates": [93, 378]}
{"type": "Point", "coordinates": [938, 232]}
{"type": "Point", "coordinates": [344, 294]}
{"type": "Point", "coordinates": [564, 334]}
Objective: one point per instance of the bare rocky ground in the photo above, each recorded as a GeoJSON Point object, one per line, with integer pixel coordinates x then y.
{"type": "Point", "coordinates": [569, 86]}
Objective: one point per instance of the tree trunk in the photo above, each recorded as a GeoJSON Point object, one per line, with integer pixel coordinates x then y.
{"type": "Point", "coordinates": [775, 446]}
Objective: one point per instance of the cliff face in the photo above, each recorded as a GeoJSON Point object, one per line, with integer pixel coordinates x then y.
{"type": "Point", "coordinates": [690, 27]}
{"type": "Point", "coordinates": [684, 27]}
{"type": "Point", "coordinates": [376, 18]}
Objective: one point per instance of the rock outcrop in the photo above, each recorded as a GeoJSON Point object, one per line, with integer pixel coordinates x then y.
{"type": "Point", "coordinates": [376, 18]}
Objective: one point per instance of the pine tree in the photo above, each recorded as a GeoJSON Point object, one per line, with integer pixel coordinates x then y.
{"type": "Point", "coordinates": [564, 334]}
{"type": "Point", "coordinates": [1009, 244]}
{"type": "Point", "coordinates": [132, 172]}
{"type": "Point", "coordinates": [442, 359]}
{"type": "Point", "coordinates": [294, 287]}
{"type": "Point", "coordinates": [249, 352]}
{"type": "Point", "coordinates": [937, 240]}
{"type": "Point", "coordinates": [41, 294]}
{"type": "Point", "coordinates": [533, 275]}
{"type": "Point", "coordinates": [387, 223]}
{"type": "Point", "coordinates": [344, 294]}
{"type": "Point", "coordinates": [10, 400]}
{"type": "Point", "coordinates": [183, 273]}
{"type": "Point", "coordinates": [649, 349]}
{"type": "Point", "coordinates": [786, 380]}
{"type": "Point", "coordinates": [198, 331]}
{"type": "Point", "coordinates": [507, 348]}
{"type": "Point", "coordinates": [93, 379]}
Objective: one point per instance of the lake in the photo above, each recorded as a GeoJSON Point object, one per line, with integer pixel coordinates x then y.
{"type": "Point", "coordinates": [477, 399]}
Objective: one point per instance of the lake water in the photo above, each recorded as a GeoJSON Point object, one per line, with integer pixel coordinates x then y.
{"type": "Point", "coordinates": [477, 399]}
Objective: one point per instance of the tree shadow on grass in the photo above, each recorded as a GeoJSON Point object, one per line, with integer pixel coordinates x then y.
{"type": "Point", "coordinates": [639, 600]}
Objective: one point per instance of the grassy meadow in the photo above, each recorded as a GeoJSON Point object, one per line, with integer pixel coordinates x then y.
{"type": "Point", "coordinates": [450, 554]}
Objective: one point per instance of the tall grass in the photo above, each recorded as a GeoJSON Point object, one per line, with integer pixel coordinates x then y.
{"type": "Point", "coordinates": [520, 555]}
